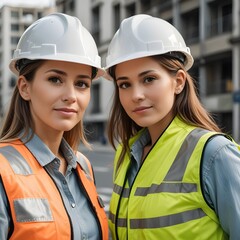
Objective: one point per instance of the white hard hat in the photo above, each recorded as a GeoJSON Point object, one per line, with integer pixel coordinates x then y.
{"type": "Point", "coordinates": [143, 35]}
{"type": "Point", "coordinates": [57, 37]}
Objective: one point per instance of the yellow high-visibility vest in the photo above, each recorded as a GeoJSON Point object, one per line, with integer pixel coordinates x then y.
{"type": "Point", "coordinates": [165, 200]}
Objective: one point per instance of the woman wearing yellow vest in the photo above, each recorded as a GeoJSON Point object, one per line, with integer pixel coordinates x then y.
{"type": "Point", "coordinates": [176, 176]}
{"type": "Point", "coordinates": [47, 188]}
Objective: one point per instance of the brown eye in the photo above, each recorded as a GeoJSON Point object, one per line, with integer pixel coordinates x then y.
{"type": "Point", "coordinates": [56, 80]}
{"type": "Point", "coordinates": [123, 85]}
{"type": "Point", "coordinates": [149, 79]}
{"type": "Point", "coordinates": [83, 84]}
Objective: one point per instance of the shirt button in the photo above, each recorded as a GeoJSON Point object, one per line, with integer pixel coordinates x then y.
{"type": "Point", "coordinates": [73, 205]}
{"type": "Point", "coordinates": [64, 182]}
{"type": "Point", "coordinates": [84, 237]}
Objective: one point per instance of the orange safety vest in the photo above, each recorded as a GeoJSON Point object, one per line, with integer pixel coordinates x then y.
{"type": "Point", "coordinates": [27, 184]}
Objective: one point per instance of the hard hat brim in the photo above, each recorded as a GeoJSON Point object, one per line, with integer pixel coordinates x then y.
{"type": "Point", "coordinates": [101, 72]}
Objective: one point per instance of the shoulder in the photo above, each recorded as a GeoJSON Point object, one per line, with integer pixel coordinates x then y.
{"type": "Point", "coordinates": [83, 160]}
{"type": "Point", "coordinates": [219, 143]}
{"type": "Point", "coordinates": [85, 164]}
{"type": "Point", "coordinates": [220, 153]}
{"type": "Point", "coordinates": [81, 157]}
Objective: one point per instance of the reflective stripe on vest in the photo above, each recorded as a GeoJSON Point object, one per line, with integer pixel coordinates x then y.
{"type": "Point", "coordinates": [140, 202]}
{"type": "Point", "coordinates": [33, 202]}
{"type": "Point", "coordinates": [16, 160]}
{"type": "Point", "coordinates": [175, 173]}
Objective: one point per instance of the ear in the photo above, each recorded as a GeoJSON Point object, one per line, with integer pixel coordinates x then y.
{"type": "Point", "coordinates": [180, 81]}
{"type": "Point", "coordinates": [23, 88]}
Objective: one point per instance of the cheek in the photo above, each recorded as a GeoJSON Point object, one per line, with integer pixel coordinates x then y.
{"type": "Point", "coordinates": [84, 99]}
{"type": "Point", "coordinates": [123, 99]}
{"type": "Point", "coordinates": [162, 94]}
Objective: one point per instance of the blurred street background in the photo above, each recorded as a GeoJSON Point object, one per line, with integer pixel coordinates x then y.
{"type": "Point", "coordinates": [101, 158]}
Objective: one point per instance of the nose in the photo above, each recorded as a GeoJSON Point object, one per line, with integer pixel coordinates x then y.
{"type": "Point", "coordinates": [138, 93]}
{"type": "Point", "coordinates": [69, 94]}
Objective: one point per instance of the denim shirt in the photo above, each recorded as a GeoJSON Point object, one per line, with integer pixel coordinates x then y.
{"type": "Point", "coordinates": [83, 222]}
{"type": "Point", "coordinates": [220, 178]}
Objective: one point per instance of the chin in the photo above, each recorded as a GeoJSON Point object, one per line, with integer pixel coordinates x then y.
{"type": "Point", "coordinates": [65, 128]}
{"type": "Point", "coordinates": [143, 125]}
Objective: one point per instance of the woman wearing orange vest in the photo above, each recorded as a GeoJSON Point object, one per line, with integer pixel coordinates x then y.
{"type": "Point", "coordinates": [176, 176]}
{"type": "Point", "coordinates": [47, 188]}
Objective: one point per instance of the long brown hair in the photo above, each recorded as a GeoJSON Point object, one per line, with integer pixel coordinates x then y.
{"type": "Point", "coordinates": [19, 123]}
{"type": "Point", "coordinates": [187, 106]}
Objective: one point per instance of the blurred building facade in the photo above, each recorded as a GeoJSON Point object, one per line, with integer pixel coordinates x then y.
{"type": "Point", "coordinates": [14, 19]}
{"type": "Point", "coordinates": [211, 28]}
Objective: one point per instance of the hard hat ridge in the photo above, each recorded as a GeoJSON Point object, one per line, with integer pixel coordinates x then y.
{"type": "Point", "coordinates": [143, 35]}
{"type": "Point", "coordinates": [57, 37]}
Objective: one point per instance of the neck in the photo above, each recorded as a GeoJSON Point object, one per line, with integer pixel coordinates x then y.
{"type": "Point", "coordinates": [156, 130]}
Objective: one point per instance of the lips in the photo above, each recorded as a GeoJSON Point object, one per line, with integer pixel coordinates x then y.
{"type": "Point", "coordinates": [68, 110]}
{"type": "Point", "coordinates": [140, 109]}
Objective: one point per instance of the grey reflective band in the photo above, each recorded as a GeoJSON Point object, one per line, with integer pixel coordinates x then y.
{"type": "Point", "coordinates": [160, 222]}
{"type": "Point", "coordinates": [121, 222]}
{"type": "Point", "coordinates": [172, 183]}
{"type": "Point", "coordinates": [32, 210]}
{"type": "Point", "coordinates": [16, 160]}
{"type": "Point", "coordinates": [166, 187]}
{"type": "Point", "coordinates": [177, 170]}
{"type": "Point", "coordinates": [118, 189]}
{"type": "Point", "coordinates": [84, 165]}
{"type": "Point", "coordinates": [165, 221]}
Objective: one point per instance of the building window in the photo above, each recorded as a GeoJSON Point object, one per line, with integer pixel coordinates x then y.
{"type": "Point", "coordinates": [220, 18]}
{"type": "Point", "coordinates": [145, 5]}
{"type": "Point", "coordinates": [219, 76]}
{"type": "Point", "coordinates": [95, 98]}
{"type": "Point", "coordinates": [14, 14]}
{"type": "Point", "coordinates": [12, 82]}
{"type": "Point", "coordinates": [14, 40]}
{"type": "Point", "coordinates": [163, 5]}
{"type": "Point", "coordinates": [117, 18]}
{"type": "Point", "coordinates": [39, 15]}
{"type": "Point", "coordinates": [224, 121]}
{"type": "Point", "coordinates": [130, 10]}
{"type": "Point", "coordinates": [72, 5]}
{"type": "Point", "coordinates": [194, 72]}
{"type": "Point", "coordinates": [26, 26]}
{"type": "Point", "coordinates": [15, 27]}
{"type": "Point", "coordinates": [96, 24]}
{"type": "Point", "coordinates": [190, 26]}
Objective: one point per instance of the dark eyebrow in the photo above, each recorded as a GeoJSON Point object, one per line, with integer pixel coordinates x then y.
{"type": "Point", "coordinates": [139, 75]}
{"type": "Point", "coordinates": [65, 74]}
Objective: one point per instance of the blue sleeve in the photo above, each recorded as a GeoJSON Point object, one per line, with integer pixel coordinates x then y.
{"type": "Point", "coordinates": [4, 214]}
{"type": "Point", "coordinates": [221, 182]}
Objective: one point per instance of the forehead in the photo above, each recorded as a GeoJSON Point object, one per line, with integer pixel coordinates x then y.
{"type": "Point", "coordinates": [65, 65]}
{"type": "Point", "coordinates": [136, 66]}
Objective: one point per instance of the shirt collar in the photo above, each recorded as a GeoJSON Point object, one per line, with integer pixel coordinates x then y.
{"type": "Point", "coordinates": [44, 155]}
{"type": "Point", "coordinates": [140, 143]}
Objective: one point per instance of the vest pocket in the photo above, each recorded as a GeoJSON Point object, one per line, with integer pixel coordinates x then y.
{"type": "Point", "coordinates": [32, 210]}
